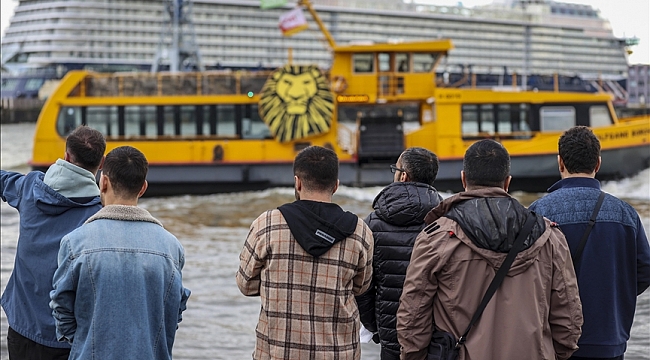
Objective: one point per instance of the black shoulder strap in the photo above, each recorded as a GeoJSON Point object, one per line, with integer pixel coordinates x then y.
{"type": "Point", "coordinates": [592, 222]}
{"type": "Point", "coordinates": [501, 274]}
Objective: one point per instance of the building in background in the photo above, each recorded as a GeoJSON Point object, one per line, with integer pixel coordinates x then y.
{"type": "Point", "coordinates": [638, 86]}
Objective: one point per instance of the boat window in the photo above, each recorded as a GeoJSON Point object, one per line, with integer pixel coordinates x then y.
{"type": "Point", "coordinates": [226, 120]}
{"type": "Point", "coordinates": [470, 120]}
{"type": "Point", "coordinates": [599, 116]}
{"type": "Point", "coordinates": [403, 62]}
{"type": "Point", "coordinates": [424, 62]}
{"type": "Point", "coordinates": [252, 125]}
{"type": "Point", "coordinates": [509, 121]}
{"type": "Point", "coordinates": [487, 119]}
{"type": "Point", "coordinates": [557, 118]}
{"type": "Point", "coordinates": [363, 63]}
{"type": "Point", "coordinates": [384, 62]}
{"type": "Point", "coordinates": [140, 121]}
{"type": "Point", "coordinates": [102, 118]}
{"type": "Point", "coordinates": [69, 118]}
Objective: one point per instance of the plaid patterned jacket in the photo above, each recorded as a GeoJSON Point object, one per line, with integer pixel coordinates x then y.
{"type": "Point", "coordinates": [308, 305]}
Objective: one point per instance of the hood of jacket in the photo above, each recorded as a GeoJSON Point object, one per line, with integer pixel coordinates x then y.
{"type": "Point", "coordinates": [70, 180]}
{"type": "Point", "coordinates": [405, 203]}
{"type": "Point", "coordinates": [51, 202]}
{"type": "Point", "coordinates": [317, 226]}
{"type": "Point", "coordinates": [490, 218]}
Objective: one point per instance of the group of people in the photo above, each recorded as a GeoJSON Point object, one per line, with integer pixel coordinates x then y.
{"type": "Point", "coordinates": [97, 277]}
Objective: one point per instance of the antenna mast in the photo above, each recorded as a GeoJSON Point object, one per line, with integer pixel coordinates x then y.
{"type": "Point", "coordinates": [183, 53]}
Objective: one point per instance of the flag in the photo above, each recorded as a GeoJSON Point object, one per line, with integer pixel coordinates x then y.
{"type": "Point", "coordinates": [269, 4]}
{"type": "Point", "coordinates": [293, 22]}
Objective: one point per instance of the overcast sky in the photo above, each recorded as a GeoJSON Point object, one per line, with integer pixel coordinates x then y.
{"type": "Point", "coordinates": [628, 18]}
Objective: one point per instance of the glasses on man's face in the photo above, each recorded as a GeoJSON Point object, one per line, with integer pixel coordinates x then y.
{"type": "Point", "coordinates": [394, 168]}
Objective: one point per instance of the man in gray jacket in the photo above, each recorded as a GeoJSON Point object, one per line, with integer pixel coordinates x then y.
{"type": "Point", "coordinates": [534, 314]}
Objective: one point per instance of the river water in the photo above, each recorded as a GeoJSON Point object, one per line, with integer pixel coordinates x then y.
{"type": "Point", "coordinates": [220, 322]}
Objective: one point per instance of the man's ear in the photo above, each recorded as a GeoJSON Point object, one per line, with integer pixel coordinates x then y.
{"type": "Point", "coordinates": [598, 164]}
{"type": "Point", "coordinates": [336, 187]}
{"type": "Point", "coordinates": [104, 183]}
{"type": "Point", "coordinates": [560, 164]}
{"type": "Point", "coordinates": [462, 179]}
{"type": "Point", "coordinates": [297, 182]}
{"type": "Point", "coordinates": [506, 184]}
{"type": "Point", "coordinates": [145, 185]}
{"type": "Point", "coordinates": [403, 176]}
{"type": "Point", "coordinates": [66, 156]}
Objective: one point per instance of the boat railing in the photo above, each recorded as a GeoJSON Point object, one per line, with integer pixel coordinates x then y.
{"type": "Point", "coordinates": [168, 84]}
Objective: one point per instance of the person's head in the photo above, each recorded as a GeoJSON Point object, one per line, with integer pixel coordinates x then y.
{"type": "Point", "coordinates": [416, 164]}
{"type": "Point", "coordinates": [124, 175]}
{"type": "Point", "coordinates": [579, 152]}
{"type": "Point", "coordinates": [316, 173]}
{"type": "Point", "coordinates": [486, 164]}
{"type": "Point", "coordinates": [85, 148]}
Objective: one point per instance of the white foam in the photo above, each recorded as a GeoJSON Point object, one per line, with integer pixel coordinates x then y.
{"type": "Point", "coordinates": [636, 187]}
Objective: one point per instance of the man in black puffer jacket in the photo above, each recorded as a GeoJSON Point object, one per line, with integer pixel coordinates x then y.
{"type": "Point", "coordinates": [398, 218]}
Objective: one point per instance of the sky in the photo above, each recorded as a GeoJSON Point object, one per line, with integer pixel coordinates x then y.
{"type": "Point", "coordinates": [629, 18]}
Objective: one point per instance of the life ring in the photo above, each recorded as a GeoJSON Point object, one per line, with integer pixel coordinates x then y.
{"type": "Point", "coordinates": [338, 84]}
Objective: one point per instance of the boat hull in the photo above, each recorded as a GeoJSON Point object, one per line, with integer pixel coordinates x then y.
{"type": "Point", "coordinates": [534, 173]}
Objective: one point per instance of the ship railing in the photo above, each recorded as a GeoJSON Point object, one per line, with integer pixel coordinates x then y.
{"type": "Point", "coordinates": [347, 138]}
{"type": "Point", "coordinates": [168, 84]}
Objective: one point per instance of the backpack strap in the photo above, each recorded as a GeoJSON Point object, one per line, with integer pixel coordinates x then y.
{"type": "Point", "coordinates": [500, 275]}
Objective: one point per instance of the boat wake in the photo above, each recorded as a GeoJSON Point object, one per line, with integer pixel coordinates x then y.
{"type": "Point", "coordinates": [634, 188]}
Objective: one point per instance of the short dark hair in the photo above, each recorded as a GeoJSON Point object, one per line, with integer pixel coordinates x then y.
{"type": "Point", "coordinates": [579, 149]}
{"type": "Point", "coordinates": [420, 164]}
{"type": "Point", "coordinates": [317, 168]}
{"type": "Point", "coordinates": [126, 168]}
{"type": "Point", "coordinates": [486, 163]}
{"type": "Point", "coordinates": [86, 146]}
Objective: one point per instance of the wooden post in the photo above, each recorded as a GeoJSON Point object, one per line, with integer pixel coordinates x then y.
{"type": "Point", "coordinates": [514, 80]}
{"type": "Point", "coordinates": [323, 29]}
{"type": "Point", "coordinates": [290, 55]}
{"type": "Point", "coordinates": [556, 84]}
{"type": "Point", "coordinates": [473, 81]}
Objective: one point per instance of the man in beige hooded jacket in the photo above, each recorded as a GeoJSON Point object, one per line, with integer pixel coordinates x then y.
{"type": "Point", "coordinates": [536, 312]}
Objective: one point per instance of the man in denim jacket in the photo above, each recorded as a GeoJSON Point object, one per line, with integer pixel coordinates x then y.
{"type": "Point", "coordinates": [118, 291]}
{"type": "Point", "coordinates": [50, 206]}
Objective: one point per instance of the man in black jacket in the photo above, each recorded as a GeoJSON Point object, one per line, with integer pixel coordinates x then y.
{"type": "Point", "coordinates": [397, 220]}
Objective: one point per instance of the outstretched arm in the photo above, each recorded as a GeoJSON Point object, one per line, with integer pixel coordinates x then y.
{"type": "Point", "coordinates": [11, 184]}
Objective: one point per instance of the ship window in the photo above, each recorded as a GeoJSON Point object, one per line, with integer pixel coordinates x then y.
{"type": "Point", "coordinates": [69, 118]}
{"type": "Point", "coordinates": [470, 120]}
{"type": "Point", "coordinates": [384, 62]}
{"type": "Point", "coordinates": [140, 121]}
{"type": "Point", "coordinates": [599, 116]}
{"type": "Point", "coordinates": [557, 118]}
{"type": "Point", "coordinates": [33, 84]}
{"type": "Point", "coordinates": [252, 125]}
{"type": "Point", "coordinates": [487, 119]}
{"type": "Point", "coordinates": [9, 84]}
{"type": "Point", "coordinates": [424, 62]}
{"type": "Point", "coordinates": [102, 118]}
{"type": "Point", "coordinates": [363, 63]}
{"type": "Point", "coordinates": [403, 62]}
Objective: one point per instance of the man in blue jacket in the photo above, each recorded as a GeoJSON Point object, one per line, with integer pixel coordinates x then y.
{"type": "Point", "coordinates": [118, 291]}
{"type": "Point", "coordinates": [398, 218]}
{"type": "Point", "coordinates": [50, 206]}
{"type": "Point", "coordinates": [615, 264]}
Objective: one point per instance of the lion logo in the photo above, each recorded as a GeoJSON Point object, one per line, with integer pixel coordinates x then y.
{"type": "Point", "coordinates": [296, 103]}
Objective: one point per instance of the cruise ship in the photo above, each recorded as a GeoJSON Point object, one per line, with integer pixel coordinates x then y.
{"type": "Point", "coordinates": [47, 38]}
